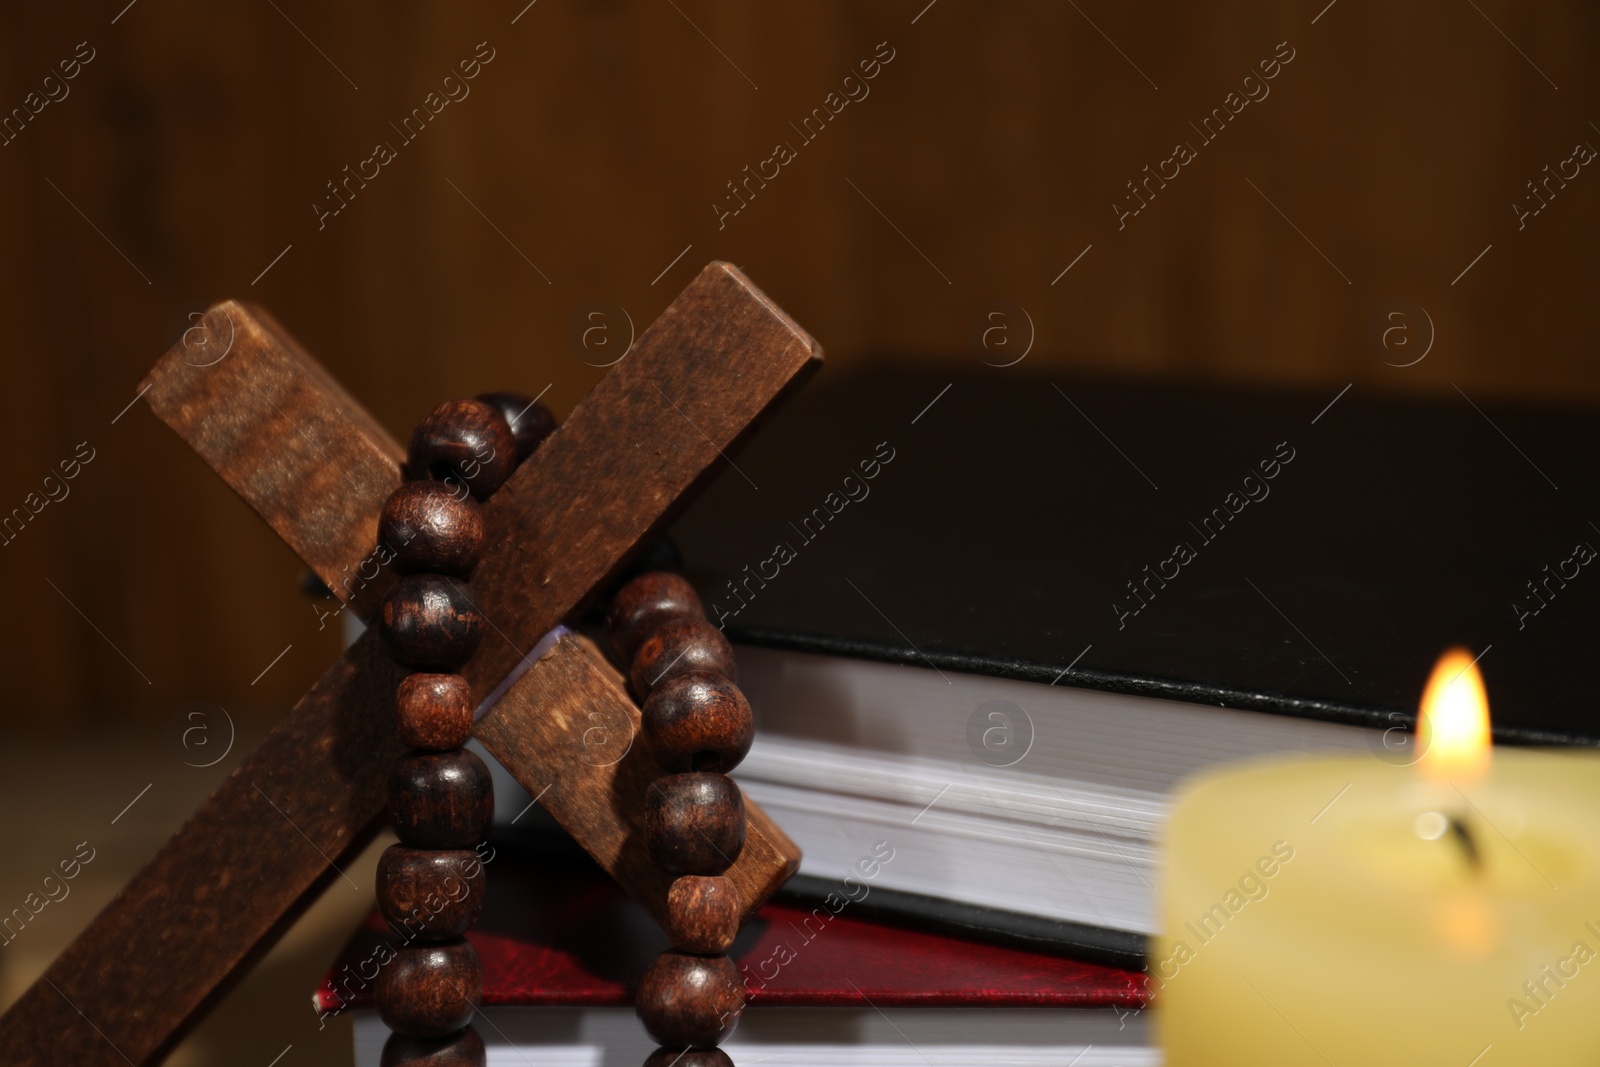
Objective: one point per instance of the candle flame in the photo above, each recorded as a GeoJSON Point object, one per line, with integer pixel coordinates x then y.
{"type": "Point", "coordinates": [1454, 726]}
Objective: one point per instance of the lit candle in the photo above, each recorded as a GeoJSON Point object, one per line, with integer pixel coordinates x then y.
{"type": "Point", "coordinates": [1349, 912]}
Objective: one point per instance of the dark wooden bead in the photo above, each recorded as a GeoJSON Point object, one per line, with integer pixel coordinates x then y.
{"type": "Point", "coordinates": [429, 623]}
{"type": "Point", "coordinates": [690, 1000]}
{"type": "Point", "coordinates": [703, 914]}
{"type": "Point", "coordinates": [643, 605]}
{"type": "Point", "coordinates": [694, 1057]}
{"type": "Point", "coordinates": [464, 442]}
{"type": "Point", "coordinates": [530, 421]}
{"type": "Point", "coordinates": [683, 646]}
{"type": "Point", "coordinates": [463, 1049]}
{"type": "Point", "coordinates": [441, 799]}
{"type": "Point", "coordinates": [430, 990]}
{"type": "Point", "coordinates": [434, 711]}
{"type": "Point", "coordinates": [694, 823]}
{"type": "Point", "coordinates": [432, 894]}
{"type": "Point", "coordinates": [698, 722]}
{"type": "Point", "coordinates": [431, 527]}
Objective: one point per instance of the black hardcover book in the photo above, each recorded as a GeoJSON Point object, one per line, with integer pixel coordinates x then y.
{"type": "Point", "coordinates": [1058, 597]}
{"type": "Point", "coordinates": [1281, 551]}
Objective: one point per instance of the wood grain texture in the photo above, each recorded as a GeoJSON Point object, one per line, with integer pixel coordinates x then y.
{"type": "Point", "coordinates": [433, 711]}
{"type": "Point", "coordinates": [230, 881]}
{"type": "Point", "coordinates": [441, 800]}
{"type": "Point", "coordinates": [570, 720]}
{"type": "Point", "coordinates": [430, 990]}
{"type": "Point", "coordinates": [643, 605]}
{"type": "Point", "coordinates": [226, 885]}
{"type": "Point", "coordinates": [679, 647]}
{"type": "Point", "coordinates": [698, 722]}
{"type": "Point", "coordinates": [686, 1000]}
{"type": "Point", "coordinates": [284, 435]}
{"type": "Point", "coordinates": [619, 468]}
{"type": "Point", "coordinates": [430, 527]}
{"type": "Point", "coordinates": [464, 442]}
{"type": "Point", "coordinates": [177, 154]}
{"type": "Point", "coordinates": [703, 914]}
{"type": "Point", "coordinates": [431, 894]}
{"type": "Point", "coordinates": [429, 623]}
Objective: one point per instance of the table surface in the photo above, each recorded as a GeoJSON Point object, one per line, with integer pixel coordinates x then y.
{"type": "Point", "coordinates": [56, 793]}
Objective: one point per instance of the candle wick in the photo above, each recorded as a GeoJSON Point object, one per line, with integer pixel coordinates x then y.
{"type": "Point", "coordinates": [1469, 843]}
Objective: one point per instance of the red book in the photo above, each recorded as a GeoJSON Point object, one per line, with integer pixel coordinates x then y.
{"type": "Point", "coordinates": [560, 944]}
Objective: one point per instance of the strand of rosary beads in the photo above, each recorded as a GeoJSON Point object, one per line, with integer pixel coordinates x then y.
{"type": "Point", "coordinates": [697, 725]}
{"type": "Point", "coordinates": [431, 884]}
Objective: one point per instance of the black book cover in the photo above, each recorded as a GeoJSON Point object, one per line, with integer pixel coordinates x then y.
{"type": "Point", "coordinates": [1305, 553]}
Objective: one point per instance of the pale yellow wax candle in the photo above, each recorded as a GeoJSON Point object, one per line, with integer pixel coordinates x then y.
{"type": "Point", "coordinates": [1353, 913]}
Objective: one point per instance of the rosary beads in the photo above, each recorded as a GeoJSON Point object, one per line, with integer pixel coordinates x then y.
{"type": "Point", "coordinates": [696, 724]}
{"type": "Point", "coordinates": [431, 884]}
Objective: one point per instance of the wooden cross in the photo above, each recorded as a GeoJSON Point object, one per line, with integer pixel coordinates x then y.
{"type": "Point", "coordinates": [318, 468]}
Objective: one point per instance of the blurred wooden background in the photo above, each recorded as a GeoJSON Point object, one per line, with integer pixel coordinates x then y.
{"type": "Point", "coordinates": [188, 154]}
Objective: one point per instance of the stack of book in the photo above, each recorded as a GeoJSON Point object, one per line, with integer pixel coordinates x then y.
{"type": "Point", "coordinates": [563, 948]}
{"type": "Point", "coordinates": [988, 622]}
{"type": "Point", "coordinates": [994, 619]}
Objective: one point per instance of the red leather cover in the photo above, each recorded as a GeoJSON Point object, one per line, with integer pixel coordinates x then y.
{"type": "Point", "coordinates": [563, 934]}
